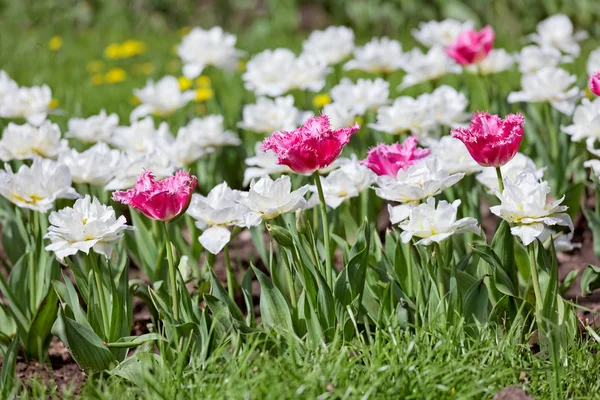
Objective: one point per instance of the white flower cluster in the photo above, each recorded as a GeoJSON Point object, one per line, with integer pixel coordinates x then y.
{"type": "Point", "coordinates": [31, 103]}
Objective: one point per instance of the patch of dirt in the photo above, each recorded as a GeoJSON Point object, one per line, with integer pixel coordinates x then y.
{"type": "Point", "coordinates": [512, 393]}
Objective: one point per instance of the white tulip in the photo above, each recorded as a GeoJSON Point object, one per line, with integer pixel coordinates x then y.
{"type": "Point", "coordinates": [440, 33]}
{"type": "Point", "coordinates": [333, 44]}
{"type": "Point", "coordinates": [532, 58]}
{"type": "Point", "coordinates": [523, 203]}
{"type": "Point", "coordinates": [361, 96]}
{"type": "Point", "coordinates": [498, 60]}
{"type": "Point", "coordinates": [7, 86]}
{"type": "Point", "coordinates": [38, 186]}
{"type": "Point", "coordinates": [88, 225]}
{"type": "Point", "coordinates": [201, 48]}
{"type": "Point", "coordinates": [557, 31]}
{"type": "Point", "coordinates": [518, 165]}
{"type": "Point", "coordinates": [161, 98]}
{"type": "Point", "coordinates": [434, 224]}
{"type": "Point", "coordinates": [406, 114]}
{"type": "Point", "coordinates": [134, 163]}
{"type": "Point", "coordinates": [263, 163]}
{"type": "Point", "coordinates": [267, 116]}
{"type": "Point", "coordinates": [379, 55]}
{"type": "Point", "coordinates": [549, 84]}
{"type": "Point", "coordinates": [593, 62]}
{"type": "Point", "coordinates": [97, 128]}
{"type": "Point", "coordinates": [142, 136]}
{"type": "Point", "coordinates": [209, 133]}
{"type": "Point", "coordinates": [31, 103]}
{"type": "Point", "coordinates": [586, 124]}
{"type": "Point", "coordinates": [423, 67]}
{"type": "Point", "coordinates": [96, 166]}
{"type": "Point", "coordinates": [23, 142]}
{"type": "Point", "coordinates": [340, 115]}
{"type": "Point", "coordinates": [454, 156]}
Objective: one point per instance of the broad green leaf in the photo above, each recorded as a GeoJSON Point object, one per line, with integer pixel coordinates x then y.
{"type": "Point", "coordinates": [274, 308]}
{"type": "Point", "coordinates": [219, 292]}
{"type": "Point", "coordinates": [590, 279]}
{"type": "Point", "coordinates": [594, 223]}
{"type": "Point", "coordinates": [9, 363]}
{"type": "Point", "coordinates": [41, 325]}
{"type": "Point", "coordinates": [475, 303]}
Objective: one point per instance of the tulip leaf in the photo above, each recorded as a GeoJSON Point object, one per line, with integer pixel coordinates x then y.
{"type": "Point", "coordinates": [590, 279]}
{"type": "Point", "coordinates": [593, 220]}
{"type": "Point", "coordinates": [274, 308]}
{"type": "Point", "coordinates": [219, 292]}
{"type": "Point", "coordinates": [9, 364]}
{"type": "Point", "coordinates": [475, 302]}
{"type": "Point", "coordinates": [41, 324]}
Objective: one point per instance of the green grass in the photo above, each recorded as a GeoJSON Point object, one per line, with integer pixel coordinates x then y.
{"type": "Point", "coordinates": [422, 365]}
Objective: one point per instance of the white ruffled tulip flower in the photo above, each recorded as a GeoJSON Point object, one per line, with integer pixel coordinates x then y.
{"type": "Point", "coordinates": [557, 31]}
{"type": "Point", "coordinates": [454, 156]}
{"type": "Point", "coordinates": [88, 225]}
{"type": "Point", "coordinates": [133, 164]}
{"type": "Point", "coordinates": [31, 103]}
{"type": "Point", "coordinates": [270, 115]}
{"type": "Point", "coordinates": [209, 133]}
{"type": "Point", "coordinates": [161, 98]}
{"type": "Point", "coordinates": [7, 86]}
{"type": "Point", "coordinates": [434, 224]}
{"type": "Point", "coordinates": [406, 114]}
{"type": "Point", "coordinates": [340, 115]}
{"type": "Point", "coordinates": [593, 62]}
{"type": "Point", "coordinates": [362, 96]}
{"type": "Point", "coordinates": [142, 136]}
{"type": "Point", "coordinates": [498, 60]}
{"type": "Point", "coordinates": [24, 142]}
{"type": "Point", "coordinates": [263, 163]}
{"type": "Point", "coordinates": [518, 165]}
{"type": "Point", "coordinates": [524, 204]}
{"type": "Point", "coordinates": [201, 48]}
{"type": "Point", "coordinates": [333, 45]}
{"type": "Point", "coordinates": [586, 124]}
{"type": "Point", "coordinates": [440, 33]}
{"type": "Point", "coordinates": [38, 186]}
{"type": "Point", "coordinates": [97, 128]}
{"type": "Point", "coordinates": [424, 67]}
{"type": "Point", "coordinates": [532, 58]}
{"type": "Point", "coordinates": [550, 84]}
{"type": "Point", "coordinates": [377, 56]}
{"type": "Point", "coordinates": [95, 166]}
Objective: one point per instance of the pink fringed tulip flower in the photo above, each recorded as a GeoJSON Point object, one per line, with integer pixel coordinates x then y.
{"type": "Point", "coordinates": [471, 46]}
{"type": "Point", "coordinates": [491, 141]}
{"type": "Point", "coordinates": [162, 200]}
{"type": "Point", "coordinates": [310, 147]}
{"type": "Point", "coordinates": [595, 83]}
{"type": "Point", "coordinates": [386, 159]}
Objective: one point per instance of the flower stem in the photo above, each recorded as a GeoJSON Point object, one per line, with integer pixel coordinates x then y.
{"type": "Point", "coordinates": [500, 181]}
{"type": "Point", "coordinates": [440, 276]}
{"type": "Point", "coordinates": [34, 220]}
{"type": "Point", "coordinates": [328, 264]}
{"type": "Point", "coordinates": [536, 284]}
{"type": "Point", "coordinates": [172, 274]}
{"type": "Point", "coordinates": [229, 273]}
{"type": "Point", "coordinates": [100, 290]}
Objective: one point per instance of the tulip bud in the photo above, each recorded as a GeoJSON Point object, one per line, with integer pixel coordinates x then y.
{"type": "Point", "coordinates": [595, 83]}
{"type": "Point", "coordinates": [281, 235]}
{"type": "Point", "coordinates": [301, 222]}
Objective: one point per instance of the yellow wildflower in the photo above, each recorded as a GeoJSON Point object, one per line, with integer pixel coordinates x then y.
{"type": "Point", "coordinates": [184, 83]}
{"type": "Point", "coordinates": [95, 67]}
{"type": "Point", "coordinates": [131, 48]}
{"type": "Point", "coordinates": [203, 81]}
{"type": "Point", "coordinates": [113, 50]}
{"type": "Point", "coordinates": [204, 94]}
{"type": "Point", "coordinates": [321, 99]}
{"type": "Point", "coordinates": [55, 43]}
{"type": "Point", "coordinates": [115, 75]}
{"type": "Point", "coordinates": [97, 79]}
{"type": "Point", "coordinates": [54, 103]}
{"type": "Point", "coordinates": [142, 69]}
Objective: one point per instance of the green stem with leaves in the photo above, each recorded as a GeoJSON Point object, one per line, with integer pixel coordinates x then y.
{"type": "Point", "coordinates": [101, 297]}
{"type": "Point", "coordinates": [539, 300]}
{"type": "Point", "coordinates": [325, 223]}
{"type": "Point", "coordinates": [500, 180]}
{"type": "Point", "coordinates": [229, 273]}
{"type": "Point", "coordinates": [172, 274]}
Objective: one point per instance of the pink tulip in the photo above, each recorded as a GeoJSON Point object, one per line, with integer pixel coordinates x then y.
{"type": "Point", "coordinates": [491, 141]}
{"type": "Point", "coordinates": [471, 46]}
{"type": "Point", "coordinates": [389, 159]}
{"type": "Point", "coordinates": [162, 200]}
{"type": "Point", "coordinates": [310, 147]}
{"type": "Point", "coordinates": [595, 83]}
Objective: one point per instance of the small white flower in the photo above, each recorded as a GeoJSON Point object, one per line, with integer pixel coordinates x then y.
{"type": "Point", "coordinates": [434, 224]}
{"type": "Point", "coordinates": [133, 164]}
{"type": "Point", "coordinates": [31, 103]}
{"type": "Point", "coordinates": [142, 136]}
{"type": "Point", "coordinates": [186, 149]}
{"type": "Point", "coordinates": [406, 114]}
{"type": "Point", "coordinates": [263, 163]}
{"type": "Point", "coordinates": [594, 165]}
{"type": "Point", "coordinates": [533, 58]}
{"type": "Point", "coordinates": [201, 48]}
{"type": "Point", "coordinates": [267, 116]}
{"type": "Point", "coordinates": [361, 96]}
{"type": "Point", "coordinates": [37, 187]}
{"type": "Point", "coordinates": [268, 199]}
{"type": "Point", "coordinates": [426, 178]}
{"type": "Point", "coordinates": [593, 62]}
{"type": "Point", "coordinates": [379, 55]}
{"type": "Point", "coordinates": [524, 204]}
{"type": "Point", "coordinates": [447, 106]}
{"type": "Point", "coordinates": [88, 225]}
{"type": "Point", "coordinates": [557, 31]}
{"type": "Point", "coordinates": [340, 116]}
{"type": "Point", "coordinates": [586, 124]}
{"type": "Point", "coordinates": [422, 67]}
{"type": "Point", "coordinates": [96, 165]}
{"type": "Point", "coordinates": [162, 98]}
{"type": "Point", "coordinates": [214, 213]}
{"type": "Point", "coordinates": [563, 242]}
{"type": "Point", "coordinates": [23, 142]}
{"type": "Point", "coordinates": [332, 45]}
{"type": "Point", "coordinates": [97, 128]}
{"type": "Point", "coordinates": [209, 133]}
{"type": "Point", "coordinates": [308, 72]}
{"type": "Point", "coordinates": [454, 156]}
{"type": "Point", "coordinates": [554, 85]}
{"type": "Point", "coordinates": [7, 86]}
{"type": "Point", "coordinates": [498, 60]}
{"type": "Point", "coordinates": [518, 165]}
{"type": "Point", "coordinates": [442, 33]}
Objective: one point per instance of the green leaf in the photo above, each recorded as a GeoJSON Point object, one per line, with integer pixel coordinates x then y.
{"type": "Point", "coordinates": [274, 308]}
{"type": "Point", "coordinates": [129, 342]}
{"type": "Point", "coordinates": [501, 279]}
{"type": "Point", "coordinates": [86, 348]}
{"type": "Point", "coordinates": [594, 223]}
{"type": "Point", "coordinates": [38, 335]}
{"type": "Point", "coordinates": [219, 292]}
{"type": "Point", "coordinates": [590, 279]}
{"type": "Point", "coordinates": [475, 302]}
{"type": "Point", "coordinates": [9, 364]}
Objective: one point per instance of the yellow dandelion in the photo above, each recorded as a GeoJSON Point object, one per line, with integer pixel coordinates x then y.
{"type": "Point", "coordinates": [204, 94]}
{"type": "Point", "coordinates": [113, 51]}
{"type": "Point", "coordinates": [241, 67]}
{"type": "Point", "coordinates": [134, 100]}
{"type": "Point", "coordinates": [54, 103]}
{"type": "Point", "coordinates": [132, 48]}
{"type": "Point", "coordinates": [321, 99]}
{"type": "Point", "coordinates": [184, 30]}
{"type": "Point", "coordinates": [184, 83]}
{"type": "Point", "coordinates": [115, 75]}
{"type": "Point", "coordinates": [359, 120]}
{"type": "Point", "coordinates": [142, 69]}
{"type": "Point", "coordinates": [97, 79]}
{"type": "Point", "coordinates": [55, 43]}
{"type": "Point", "coordinates": [95, 67]}
{"type": "Point", "coordinates": [203, 81]}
